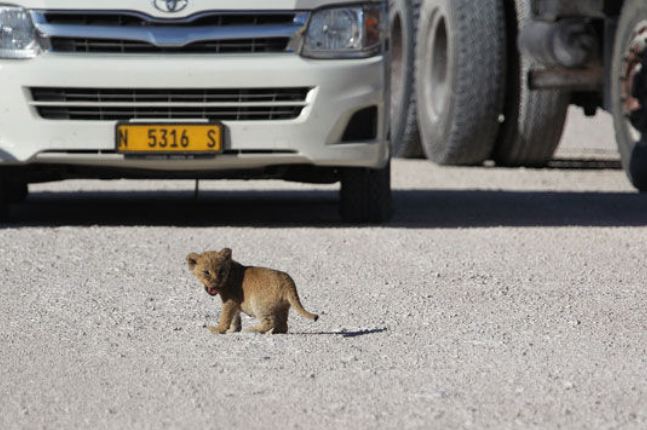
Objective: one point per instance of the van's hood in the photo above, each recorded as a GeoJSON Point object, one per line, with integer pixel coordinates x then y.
{"type": "Point", "coordinates": [192, 7]}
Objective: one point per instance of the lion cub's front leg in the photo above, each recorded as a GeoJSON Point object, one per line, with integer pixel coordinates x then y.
{"type": "Point", "coordinates": [236, 324]}
{"type": "Point", "coordinates": [229, 313]}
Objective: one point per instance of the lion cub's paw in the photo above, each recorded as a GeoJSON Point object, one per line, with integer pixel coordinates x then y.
{"type": "Point", "coordinates": [216, 330]}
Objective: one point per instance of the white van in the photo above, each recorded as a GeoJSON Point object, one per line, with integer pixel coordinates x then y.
{"type": "Point", "coordinates": [281, 89]}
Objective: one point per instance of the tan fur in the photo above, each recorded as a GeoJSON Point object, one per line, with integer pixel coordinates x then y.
{"type": "Point", "coordinates": [262, 293]}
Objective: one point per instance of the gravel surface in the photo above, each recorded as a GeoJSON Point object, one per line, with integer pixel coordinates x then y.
{"type": "Point", "coordinates": [589, 139]}
{"type": "Point", "coordinates": [497, 298]}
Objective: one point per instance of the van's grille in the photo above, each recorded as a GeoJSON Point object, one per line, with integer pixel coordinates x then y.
{"type": "Point", "coordinates": [42, 94]}
{"type": "Point", "coordinates": [123, 19]}
{"type": "Point", "coordinates": [111, 104]}
{"type": "Point", "coordinates": [109, 46]}
{"type": "Point", "coordinates": [125, 114]}
{"type": "Point", "coordinates": [137, 33]}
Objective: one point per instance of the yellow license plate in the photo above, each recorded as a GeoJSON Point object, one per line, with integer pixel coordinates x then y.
{"type": "Point", "coordinates": [169, 138]}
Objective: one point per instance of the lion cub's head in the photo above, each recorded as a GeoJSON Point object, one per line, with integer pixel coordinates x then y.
{"type": "Point", "coordinates": [211, 268]}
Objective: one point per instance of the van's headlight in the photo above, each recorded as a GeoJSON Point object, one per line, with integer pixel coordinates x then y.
{"type": "Point", "coordinates": [18, 38]}
{"type": "Point", "coordinates": [345, 32]}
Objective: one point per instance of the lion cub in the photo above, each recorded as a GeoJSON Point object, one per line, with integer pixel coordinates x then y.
{"type": "Point", "coordinates": [262, 293]}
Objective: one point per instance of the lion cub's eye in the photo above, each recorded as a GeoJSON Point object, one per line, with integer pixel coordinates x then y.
{"type": "Point", "coordinates": [205, 273]}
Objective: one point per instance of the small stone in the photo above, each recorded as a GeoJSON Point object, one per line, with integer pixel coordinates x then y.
{"type": "Point", "coordinates": [348, 359]}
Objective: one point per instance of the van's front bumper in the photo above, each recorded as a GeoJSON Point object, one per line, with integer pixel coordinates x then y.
{"type": "Point", "coordinates": [340, 88]}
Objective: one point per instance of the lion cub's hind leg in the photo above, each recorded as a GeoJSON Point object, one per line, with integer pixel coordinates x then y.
{"type": "Point", "coordinates": [276, 322]}
{"type": "Point", "coordinates": [264, 326]}
{"type": "Point", "coordinates": [281, 321]}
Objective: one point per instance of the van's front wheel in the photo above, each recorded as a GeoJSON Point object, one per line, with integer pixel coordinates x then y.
{"type": "Point", "coordinates": [16, 191]}
{"type": "Point", "coordinates": [4, 200]}
{"type": "Point", "coordinates": [365, 195]}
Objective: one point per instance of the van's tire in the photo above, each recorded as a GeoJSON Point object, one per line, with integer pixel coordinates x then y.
{"type": "Point", "coordinates": [365, 195]}
{"type": "Point", "coordinates": [533, 120]}
{"type": "Point", "coordinates": [16, 192]}
{"type": "Point", "coordinates": [4, 201]}
{"type": "Point", "coordinates": [460, 78]}
{"type": "Point", "coordinates": [403, 23]}
{"type": "Point", "coordinates": [632, 148]}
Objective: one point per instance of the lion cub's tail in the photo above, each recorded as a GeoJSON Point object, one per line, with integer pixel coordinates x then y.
{"type": "Point", "coordinates": [295, 302]}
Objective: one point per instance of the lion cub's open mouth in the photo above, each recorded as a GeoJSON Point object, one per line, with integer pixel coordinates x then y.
{"type": "Point", "coordinates": [212, 291]}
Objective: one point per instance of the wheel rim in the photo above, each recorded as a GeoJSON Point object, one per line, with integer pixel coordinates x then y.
{"type": "Point", "coordinates": [632, 65]}
{"type": "Point", "coordinates": [397, 66]}
{"type": "Point", "coordinates": [437, 68]}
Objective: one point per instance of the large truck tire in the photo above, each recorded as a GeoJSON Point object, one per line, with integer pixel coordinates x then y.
{"type": "Point", "coordinates": [460, 78]}
{"type": "Point", "coordinates": [403, 24]}
{"type": "Point", "coordinates": [629, 91]}
{"type": "Point", "coordinates": [533, 120]}
{"type": "Point", "coordinates": [365, 195]}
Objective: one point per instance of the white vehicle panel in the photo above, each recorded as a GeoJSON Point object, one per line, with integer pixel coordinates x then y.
{"type": "Point", "coordinates": [337, 91]}
{"type": "Point", "coordinates": [192, 7]}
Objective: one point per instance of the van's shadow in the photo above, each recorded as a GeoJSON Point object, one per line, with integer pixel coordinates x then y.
{"type": "Point", "coordinates": [433, 208]}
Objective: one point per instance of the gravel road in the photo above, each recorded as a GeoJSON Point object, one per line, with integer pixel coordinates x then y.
{"type": "Point", "coordinates": [497, 298]}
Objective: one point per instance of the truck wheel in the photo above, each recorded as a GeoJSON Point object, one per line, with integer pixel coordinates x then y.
{"type": "Point", "coordinates": [534, 120]}
{"type": "Point", "coordinates": [460, 75]}
{"type": "Point", "coordinates": [365, 195]}
{"type": "Point", "coordinates": [628, 84]}
{"type": "Point", "coordinates": [405, 137]}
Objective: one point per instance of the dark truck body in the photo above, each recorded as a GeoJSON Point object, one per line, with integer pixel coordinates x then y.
{"type": "Point", "coordinates": [554, 9]}
{"type": "Point", "coordinates": [585, 32]}
{"type": "Point", "coordinates": [597, 50]}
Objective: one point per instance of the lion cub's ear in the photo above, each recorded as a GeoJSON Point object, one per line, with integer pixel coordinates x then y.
{"type": "Point", "coordinates": [226, 252]}
{"type": "Point", "coordinates": [192, 260]}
